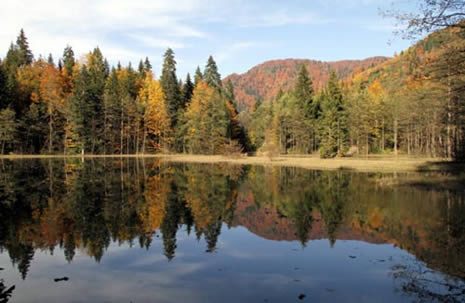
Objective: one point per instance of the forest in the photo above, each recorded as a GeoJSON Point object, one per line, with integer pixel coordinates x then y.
{"type": "Point", "coordinates": [409, 104]}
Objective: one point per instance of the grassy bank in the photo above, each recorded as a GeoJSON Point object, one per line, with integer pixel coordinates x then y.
{"type": "Point", "coordinates": [366, 164]}
{"type": "Point", "coordinates": [369, 164]}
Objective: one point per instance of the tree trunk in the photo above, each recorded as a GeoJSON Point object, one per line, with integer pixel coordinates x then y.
{"type": "Point", "coordinates": [50, 131]}
{"type": "Point", "coordinates": [395, 136]}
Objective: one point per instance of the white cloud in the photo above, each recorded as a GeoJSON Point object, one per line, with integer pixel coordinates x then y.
{"type": "Point", "coordinates": [156, 43]}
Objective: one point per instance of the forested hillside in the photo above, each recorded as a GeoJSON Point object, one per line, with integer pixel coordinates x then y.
{"type": "Point", "coordinates": [264, 81]}
{"type": "Point", "coordinates": [411, 104]}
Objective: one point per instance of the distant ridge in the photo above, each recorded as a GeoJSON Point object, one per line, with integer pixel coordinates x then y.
{"type": "Point", "coordinates": [263, 81]}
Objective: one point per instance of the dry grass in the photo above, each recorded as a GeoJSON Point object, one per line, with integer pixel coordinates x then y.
{"type": "Point", "coordinates": [367, 164]}
{"type": "Point", "coordinates": [370, 164]}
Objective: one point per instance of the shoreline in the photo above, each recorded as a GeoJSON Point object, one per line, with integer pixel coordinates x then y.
{"type": "Point", "coordinates": [373, 163]}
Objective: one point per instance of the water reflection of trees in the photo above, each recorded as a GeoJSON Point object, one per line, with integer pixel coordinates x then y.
{"type": "Point", "coordinates": [86, 205]}
{"type": "Point", "coordinates": [5, 291]}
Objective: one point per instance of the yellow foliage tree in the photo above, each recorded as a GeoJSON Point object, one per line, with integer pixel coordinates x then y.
{"type": "Point", "coordinates": [156, 118]}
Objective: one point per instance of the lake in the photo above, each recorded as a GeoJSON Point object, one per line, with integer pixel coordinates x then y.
{"type": "Point", "coordinates": [141, 230]}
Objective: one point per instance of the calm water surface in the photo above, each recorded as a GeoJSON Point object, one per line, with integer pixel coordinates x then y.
{"type": "Point", "coordinates": [106, 230]}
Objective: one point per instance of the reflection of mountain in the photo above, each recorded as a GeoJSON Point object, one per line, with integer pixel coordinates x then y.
{"type": "Point", "coordinates": [269, 224]}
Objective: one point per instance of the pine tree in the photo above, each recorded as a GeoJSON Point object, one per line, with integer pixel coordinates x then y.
{"type": "Point", "coordinates": [303, 90]}
{"type": "Point", "coordinates": [50, 59]}
{"type": "Point", "coordinates": [25, 54]}
{"type": "Point", "coordinates": [169, 83]}
{"type": "Point", "coordinates": [147, 65]}
{"type": "Point", "coordinates": [334, 121]}
{"type": "Point", "coordinates": [141, 68]}
{"type": "Point", "coordinates": [198, 76]}
{"type": "Point", "coordinates": [188, 90]}
{"type": "Point", "coordinates": [211, 76]}
{"type": "Point", "coordinates": [112, 114]}
{"type": "Point", "coordinates": [96, 87]}
{"type": "Point", "coordinates": [229, 92]}
{"type": "Point", "coordinates": [68, 60]}
{"type": "Point", "coordinates": [81, 110]}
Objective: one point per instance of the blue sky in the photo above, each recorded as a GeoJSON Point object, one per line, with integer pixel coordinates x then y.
{"type": "Point", "coordinates": [238, 33]}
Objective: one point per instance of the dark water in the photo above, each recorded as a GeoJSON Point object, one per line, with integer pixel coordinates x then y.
{"type": "Point", "coordinates": [145, 231]}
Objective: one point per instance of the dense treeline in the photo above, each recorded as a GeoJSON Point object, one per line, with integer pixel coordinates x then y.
{"type": "Point", "coordinates": [411, 104]}
{"type": "Point", "coordinates": [86, 106]}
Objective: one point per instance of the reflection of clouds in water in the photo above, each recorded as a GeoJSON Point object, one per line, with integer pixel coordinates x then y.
{"type": "Point", "coordinates": [89, 282]}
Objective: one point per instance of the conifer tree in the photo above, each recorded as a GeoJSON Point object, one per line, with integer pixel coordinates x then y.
{"type": "Point", "coordinates": [96, 87]}
{"type": "Point", "coordinates": [81, 110]}
{"type": "Point", "coordinates": [24, 53]}
{"type": "Point", "coordinates": [198, 76]}
{"type": "Point", "coordinates": [112, 114]}
{"type": "Point", "coordinates": [147, 65]}
{"type": "Point", "coordinates": [169, 83]}
{"type": "Point", "coordinates": [303, 90]}
{"type": "Point", "coordinates": [211, 76]}
{"type": "Point", "coordinates": [334, 123]}
{"type": "Point", "coordinates": [68, 60]}
{"type": "Point", "coordinates": [188, 90]}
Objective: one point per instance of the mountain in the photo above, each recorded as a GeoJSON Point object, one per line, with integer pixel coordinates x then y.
{"type": "Point", "coordinates": [263, 81]}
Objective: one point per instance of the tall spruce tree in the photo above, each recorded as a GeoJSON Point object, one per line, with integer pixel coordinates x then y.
{"type": "Point", "coordinates": [147, 65]}
{"type": "Point", "coordinates": [25, 54]}
{"type": "Point", "coordinates": [68, 60]}
{"type": "Point", "coordinates": [198, 76]}
{"type": "Point", "coordinates": [112, 114]}
{"type": "Point", "coordinates": [81, 110]}
{"type": "Point", "coordinates": [187, 91]}
{"type": "Point", "coordinates": [169, 84]}
{"type": "Point", "coordinates": [97, 75]}
{"type": "Point", "coordinates": [211, 76]}
{"type": "Point", "coordinates": [303, 90]}
{"type": "Point", "coordinates": [334, 122]}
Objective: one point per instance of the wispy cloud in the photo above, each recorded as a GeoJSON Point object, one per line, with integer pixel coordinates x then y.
{"type": "Point", "coordinates": [156, 43]}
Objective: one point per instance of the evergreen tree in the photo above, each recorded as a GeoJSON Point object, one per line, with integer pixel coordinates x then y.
{"type": "Point", "coordinates": [229, 92]}
{"type": "Point", "coordinates": [24, 53]}
{"type": "Point", "coordinates": [141, 68]}
{"type": "Point", "coordinates": [81, 110]}
{"type": "Point", "coordinates": [334, 123]}
{"type": "Point", "coordinates": [188, 90]}
{"type": "Point", "coordinates": [198, 76]}
{"type": "Point", "coordinates": [147, 65]}
{"type": "Point", "coordinates": [68, 60]}
{"type": "Point", "coordinates": [50, 59]}
{"type": "Point", "coordinates": [96, 87]}
{"type": "Point", "coordinates": [303, 90]}
{"type": "Point", "coordinates": [211, 76]}
{"type": "Point", "coordinates": [112, 114]}
{"type": "Point", "coordinates": [169, 83]}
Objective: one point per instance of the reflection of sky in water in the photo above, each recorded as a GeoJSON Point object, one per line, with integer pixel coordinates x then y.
{"type": "Point", "coordinates": [244, 268]}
